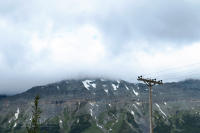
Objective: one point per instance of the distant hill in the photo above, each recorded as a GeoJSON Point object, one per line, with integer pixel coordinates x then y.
{"type": "Point", "coordinates": [2, 96]}
{"type": "Point", "coordinates": [102, 106]}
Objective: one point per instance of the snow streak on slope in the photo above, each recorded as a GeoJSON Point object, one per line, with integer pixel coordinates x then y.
{"type": "Point", "coordinates": [99, 126]}
{"type": "Point", "coordinates": [161, 110]}
{"type": "Point", "coordinates": [136, 93]}
{"type": "Point", "coordinates": [17, 114]}
{"type": "Point", "coordinates": [126, 87]}
{"type": "Point", "coordinates": [132, 112]}
{"type": "Point", "coordinates": [115, 87]}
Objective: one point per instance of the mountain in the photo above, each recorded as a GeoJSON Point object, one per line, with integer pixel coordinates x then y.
{"type": "Point", "coordinates": [104, 106]}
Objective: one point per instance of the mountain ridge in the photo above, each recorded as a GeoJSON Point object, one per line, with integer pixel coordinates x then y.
{"type": "Point", "coordinates": [101, 102]}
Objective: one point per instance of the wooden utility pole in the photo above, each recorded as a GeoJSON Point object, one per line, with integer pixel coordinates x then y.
{"type": "Point", "coordinates": [150, 83]}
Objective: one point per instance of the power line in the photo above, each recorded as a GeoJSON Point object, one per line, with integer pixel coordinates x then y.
{"type": "Point", "coordinates": [176, 68]}
{"type": "Point", "coordinates": [177, 72]}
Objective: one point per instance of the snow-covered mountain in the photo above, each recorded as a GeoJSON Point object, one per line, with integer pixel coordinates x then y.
{"type": "Point", "coordinates": [98, 106]}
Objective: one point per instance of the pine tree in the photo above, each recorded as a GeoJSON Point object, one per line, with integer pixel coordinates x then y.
{"type": "Point", "coordinates": [35, 126]}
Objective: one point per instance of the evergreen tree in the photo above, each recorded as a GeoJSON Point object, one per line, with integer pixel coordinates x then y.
{"type": "Point", "coordinates": [35, 126]}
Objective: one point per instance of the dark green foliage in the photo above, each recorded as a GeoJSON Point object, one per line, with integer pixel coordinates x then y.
{"type": "Point", "coordinates": [3, 120]}
{"type": "Point", "coordinates": [181, 122]}
{"type": "Point", "coordinates": [50, 125]}
{"type": "Point", "coordinates": [161, 125]}
{"type": "Point", "coordinates": [187, 122]}
{"type": "Point", "coordinates": [5, 130]}
{"type": "Point", "coordinates": [35, 126]}
{"type": "Point", "coordinates": [50, 128]}
{"type": "Point", "coordinates": [19, 126]}
{"type": "Point", "coordinates": [125, 128]}
{"type": "Point", "coordinates": [131, 120]}
{"type": "Point", "coordinates": [112, 111]}
{"type": "Point", "coordinates": [81, 123]}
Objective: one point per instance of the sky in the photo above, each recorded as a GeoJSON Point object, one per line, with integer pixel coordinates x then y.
{"type": "Point", "coordinates": [44, 41]}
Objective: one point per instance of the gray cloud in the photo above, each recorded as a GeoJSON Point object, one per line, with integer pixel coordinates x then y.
{"type": "Point", "coordinates": [172, 21]}
{"type": "Point", "coordinates": [46, 41]}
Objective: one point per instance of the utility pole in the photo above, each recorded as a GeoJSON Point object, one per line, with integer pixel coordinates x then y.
{"type": "Point", "coordinates": [150, 83]}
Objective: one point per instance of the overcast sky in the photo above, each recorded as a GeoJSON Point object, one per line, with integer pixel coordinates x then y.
{"type": "Point", "coordinates": [43, 41]}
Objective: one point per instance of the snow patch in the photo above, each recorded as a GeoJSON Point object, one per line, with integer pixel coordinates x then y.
{"type": "Point", "coordinates": [58, 88]}
{"type": "Point", "coordinates": [132, 112]}
{"type": "Point", "coordinates": [135, 106]}
{"type": "Point", "coordinates": [161, 110]}
{"type": "Point", "coordinates": [15, 125]}
{"type": "Point", "coordinates": [91, 103]}
{"type": "Point", "coordinates": [138, 103]}
{"type": "Point", "coordinates": [91, 112]}
{"type": "Point", "coordinates": [136, 93]}
{"type": "Point", "coordinates": [104, 85]}
{"type": "Point", "coordinates": [109, 104]}
{"type": "Point", "coordinates": [106, 90]}
{"type": "Point", "coordinates": [126, 87]}
{"type": "Point", "coordinates": [94, 85]}
{"type": "Point", "coordinates": [118, 81]}
{"type": "Point", "coordinates": [88, 83]}
{"type": "Point", "coordinates": [60, 121]}
{"type": "Point", "coordinates": [138, 87]}
{"type": "Point", "coordinates": [165, 103]}
{"type": "Point", "coordinates": [17, 114]}
{"type": "Point", "coordinates": [99, 126]}
{"type": "Point", "coordinates": [115, 87]}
